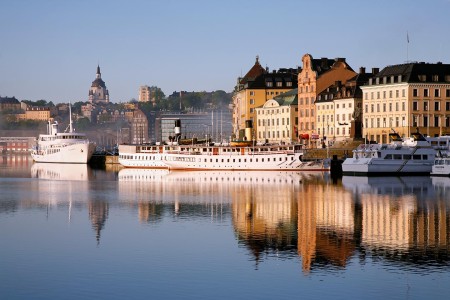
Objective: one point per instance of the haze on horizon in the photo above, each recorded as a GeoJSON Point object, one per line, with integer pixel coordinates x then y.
{"type": "Point", "coordinates": [50, 49]}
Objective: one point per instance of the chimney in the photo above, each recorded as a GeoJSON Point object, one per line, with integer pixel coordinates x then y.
{"type": "Point", "coordinates": [375, 71]}
{"type": "Point", "coordinates": [324, 62]}
{"type": "Point", "coordinates": [362, 70]}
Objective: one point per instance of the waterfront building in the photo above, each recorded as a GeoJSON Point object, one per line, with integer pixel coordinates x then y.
{"type": "Point", "coordinates": [277, 119]}
{"type": "Point", "coordinates": [98, 93]}
{"type": "Point", "coordinates": [405, 98]}
{"type": "Point", "coordinates": [315, 77]}
{"type": "Point", "coordinates": [339, 109]}
{"type": "Point", "coordinates": [254, 89]}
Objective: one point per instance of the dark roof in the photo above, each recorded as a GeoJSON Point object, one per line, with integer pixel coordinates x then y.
{"type": "Point", "coordinates": [322, 65]}
{"type": "Point", "coordinates": [417, 72]}
{"type": "Point", "coordinates": [98, 83]}
{"type": "Point", "coordinates": [253, 73]}
{"type": "Point", "coordinates": [9, 100]}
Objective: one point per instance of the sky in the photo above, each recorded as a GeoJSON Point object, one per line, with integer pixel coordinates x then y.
{"type": "Point", "coordinates": [49, 49]}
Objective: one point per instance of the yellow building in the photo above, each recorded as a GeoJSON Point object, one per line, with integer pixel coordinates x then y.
{"type": "Point", "coordinates": [406, 98]}
{"type": "Point", "coordinates": [36, 113]}
{"type": "Point", "coordinates": [316, 76]}
{"type": "Point", "coordinates": [254, 89]}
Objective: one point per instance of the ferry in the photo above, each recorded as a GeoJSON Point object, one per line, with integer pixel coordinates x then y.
{"type": "Point", "coordinates": [62, 147]}
{"type": "Point", "coordinates": [212, 156]}
{"type": "Point", "coordinates": [410, 156]}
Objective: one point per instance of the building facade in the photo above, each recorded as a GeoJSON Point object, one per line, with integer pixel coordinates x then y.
{"type": "Point", "coordinates": [339, 109]}
{"type": "Point", "coordinates": [277, 119]}
{"type": "Point", "coordinates": [144, 93]}
{"type": "Point", "coordinates": [98, 93]}
{"type": "Point", "coordinates": [139, 128]}
{"type": "Point", "coordinates": [254, 89]}
{"type": "Point", "coordinates": [406, 98]}
{"type": "Point", "coordinates": [316, 76]}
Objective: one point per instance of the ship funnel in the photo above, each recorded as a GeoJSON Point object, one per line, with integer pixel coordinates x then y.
{"type": "Point", "coordinates": [248, 130]}
{"type": "Point", "coordinates": [177, 129]}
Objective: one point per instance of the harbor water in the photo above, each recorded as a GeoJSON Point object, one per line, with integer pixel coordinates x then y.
{"type": "Point", "coordinates": [75, 232]}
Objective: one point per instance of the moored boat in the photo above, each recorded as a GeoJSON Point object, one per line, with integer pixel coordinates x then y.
{"type": "Point", "coordinates": [62, 147]}
{"type": "Point", "coordinates": [441, 167]}
{"type": "Point", "coordinates": [410, 156]}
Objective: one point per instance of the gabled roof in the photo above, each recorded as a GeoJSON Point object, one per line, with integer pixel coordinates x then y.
{"type": "Point", "coordinates": [8, 100]}
{"type": "Point", "coordinates": [253, 73]}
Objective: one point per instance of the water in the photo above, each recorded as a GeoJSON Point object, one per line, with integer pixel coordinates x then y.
{"type": "Point", "coordinates": [72, 232]}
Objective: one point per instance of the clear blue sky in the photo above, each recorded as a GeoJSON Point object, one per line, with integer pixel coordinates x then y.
{"type": "Point", "coordinates": [49, 49]}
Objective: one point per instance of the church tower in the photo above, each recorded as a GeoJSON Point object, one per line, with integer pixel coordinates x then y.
{"type": "Point", "coordinates": [98, 92]}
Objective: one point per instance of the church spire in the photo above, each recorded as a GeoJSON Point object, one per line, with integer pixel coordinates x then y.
{"type": "Point", "coordinates": [99, 75]}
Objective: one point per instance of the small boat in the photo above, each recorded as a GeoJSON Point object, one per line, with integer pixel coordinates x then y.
{"type": "Point", "coordinates": [63, 147]}
{"type": "Point", "coordinates": [441, 167]}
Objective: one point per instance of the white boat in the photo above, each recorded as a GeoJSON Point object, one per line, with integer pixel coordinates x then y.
{"type": "Point", "coordinates": [267, 157]}
{"type": "Point", "coordinates": [410, 156]}
{"type": "Point", "coordinates": [62, 147]}
{"type": "Point", "coordinates": [441, 167]}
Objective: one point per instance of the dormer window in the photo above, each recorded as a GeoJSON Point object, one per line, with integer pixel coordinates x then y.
{"type": "Point", "coordinates": [422, 78]}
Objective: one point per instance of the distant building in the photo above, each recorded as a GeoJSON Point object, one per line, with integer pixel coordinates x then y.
{"type": "Point", "coordinates": [9, 103]}
{"type": "Point", "coordinates": [144, 93]}
{"type": "Point", "coordinates": [405, 98]}
{"type": "Point", "coordinates": [36, 113]}
{"type": "Point", "coordinates": [139, 128]}
{"type": "Point", "coordinates": [215, 125]}
{"type": "Point", "coordinates": [255, 88]}
{"type": "Point", "coordinates": [98, 92]}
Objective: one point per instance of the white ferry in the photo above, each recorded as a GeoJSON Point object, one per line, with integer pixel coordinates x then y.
{"type": "Point", "coordinates": [63, 147]}
{"type": "Point", "coordinates": [441, 167]}
{"type": "Point", "coordinates": [411, 156]}
{"type": "Point", "coordinates": [267, 157]}
{"type": "Point", "coordinates": [210, 156]}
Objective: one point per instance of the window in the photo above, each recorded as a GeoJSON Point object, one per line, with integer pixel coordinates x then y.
{"type": "Point", "coordinates": [390, 106]}
{"type": "Point", "coordinates": [426, 93]}
{"type": "Point", "coordinates": [447, 106]}
{"type": "Point", "coordinates": [436, 106]}
{"type": "Point", "coordinates": [415, 93]}
{"type": "Point", "coordinates": [437, 92]}
{"type": "Point", "coordinates": [279, 84]}
{"type": "Point", "coordinates": [289, 84]}
{"type": "Point", "coordinates": [397, 93]}
{"type": "Point", "coordinates": [252, 101]}
{"type": "Point", "coordinates": [415, 106]}
{"type": "Point", "coordinates": [252, 93]}
{"type": "Point", "coordinates": [447, 93]}
{"type": "Point", "coordinates": [366, 108]}
{"type": "Point", "coordinates": [425, 105]}
{"type": "Point", "coordinates": [378, 94]}
{"type": "Point", "coordinates": [403, 106]}
{"type": "Point", "coordinates": [403, 93]}
{"type": "Point", "coordinates": [436, 121]}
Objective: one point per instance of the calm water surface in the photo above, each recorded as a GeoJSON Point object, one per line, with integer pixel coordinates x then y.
{"type": "Point", "coordinates": [72, 232]}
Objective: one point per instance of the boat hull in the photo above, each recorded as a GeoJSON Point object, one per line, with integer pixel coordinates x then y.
{"type": "Point", "coordinates": [381, 167]}
{"type": "Point", "coordinates": [71, 154]}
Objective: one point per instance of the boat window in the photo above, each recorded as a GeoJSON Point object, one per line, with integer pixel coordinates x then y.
{"type": "Point", "coordinates": [397, 156]}
{"type": "Point", "coordinates": [417, 156]}
{"type": "Point", "coordinates": [407, 156]}
{"type": "Point", "coordinates": [388, 156]}
{"type": "Point", "coordinates": [447, 162]}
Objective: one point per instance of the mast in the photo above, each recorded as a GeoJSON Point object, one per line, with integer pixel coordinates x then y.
{"type": "Point", "coordinates": [70, 118]}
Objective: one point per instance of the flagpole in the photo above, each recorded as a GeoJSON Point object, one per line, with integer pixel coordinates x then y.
{"type": "Point", "coordinates": [407, 47]}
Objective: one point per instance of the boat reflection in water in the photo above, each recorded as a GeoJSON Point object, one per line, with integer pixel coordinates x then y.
{"type": "Point", "coordinates": [74, 180]}
{"type": "Point", "coordinates": [57, 171]}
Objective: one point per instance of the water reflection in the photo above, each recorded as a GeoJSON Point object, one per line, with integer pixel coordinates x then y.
{"type": "Point", "coordinates": [402, 221]}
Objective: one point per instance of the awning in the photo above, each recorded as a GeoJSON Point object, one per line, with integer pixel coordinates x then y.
{"type": "Point", "coordinates": [314, 136]}
{"type": "Point", "coordinates": [304, 136]}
